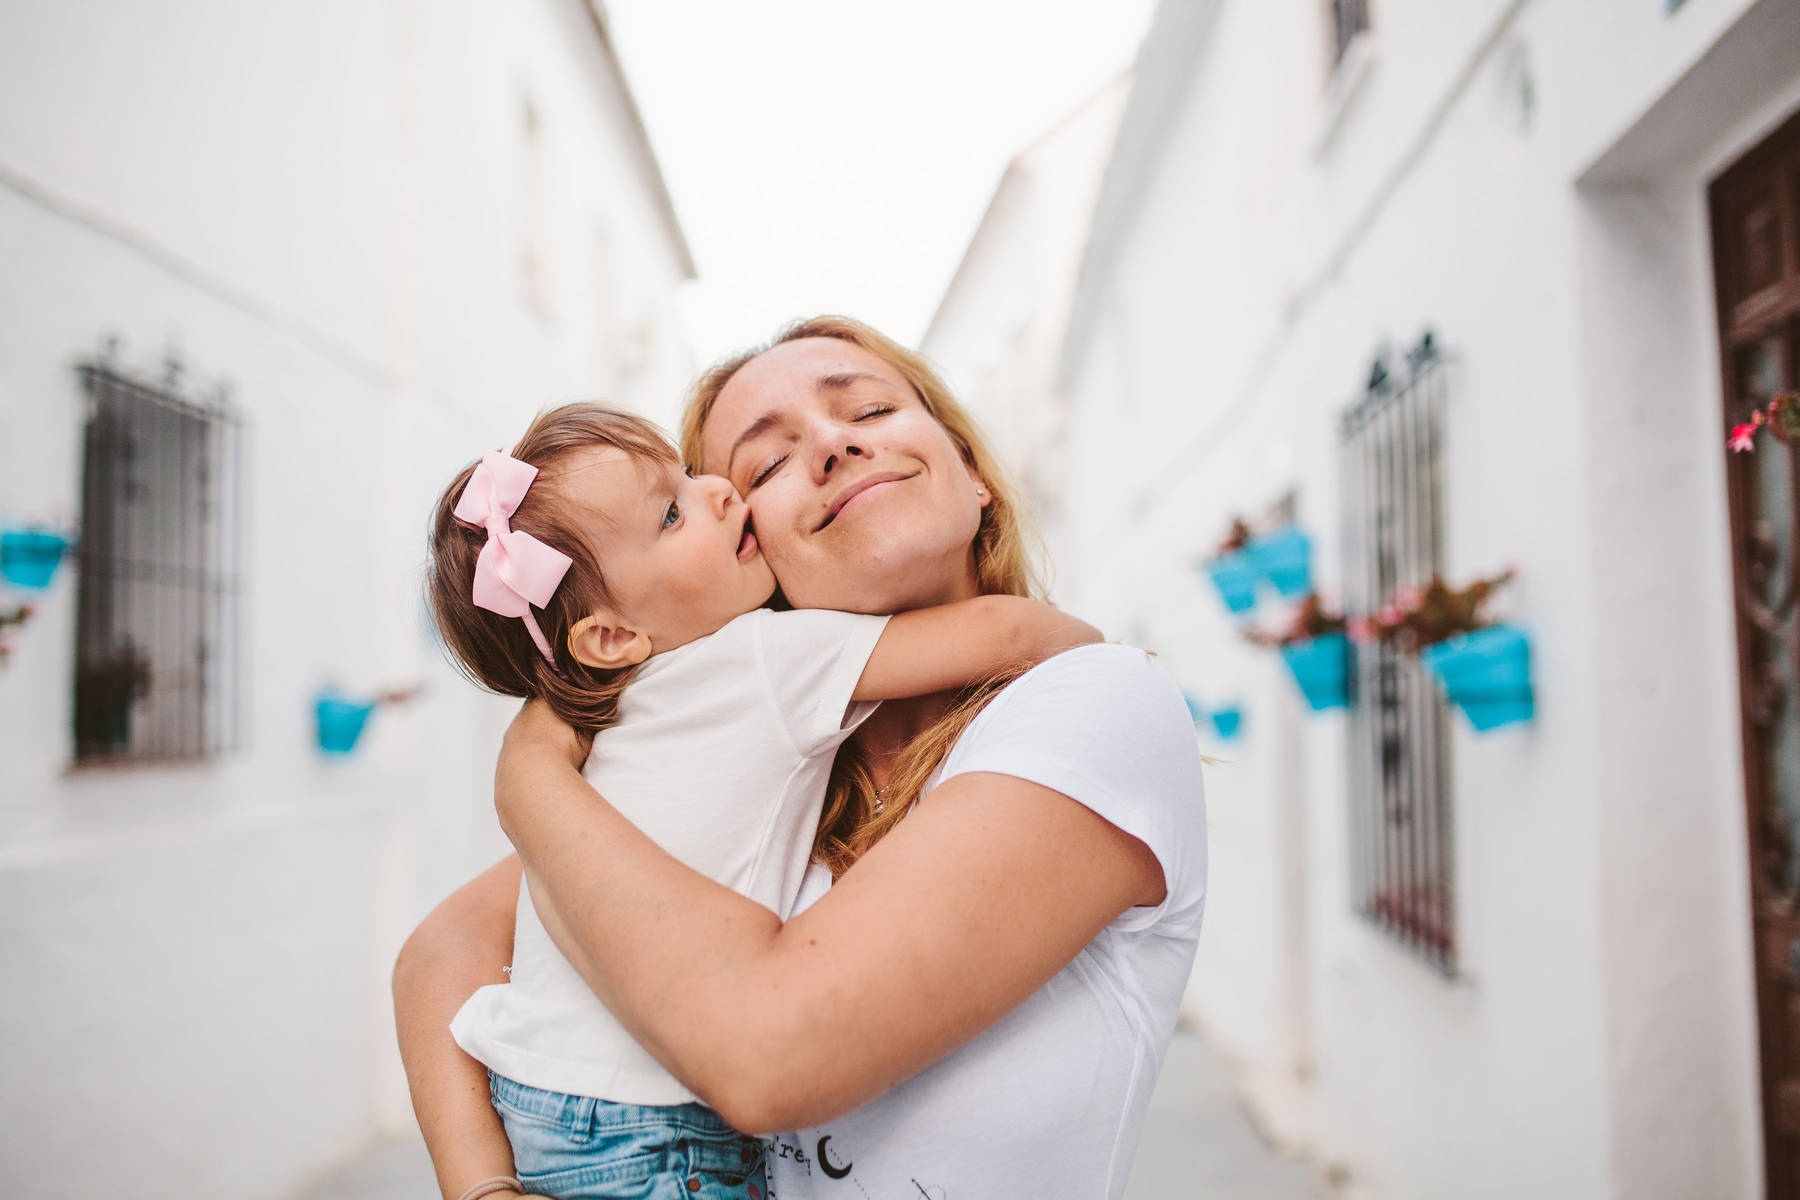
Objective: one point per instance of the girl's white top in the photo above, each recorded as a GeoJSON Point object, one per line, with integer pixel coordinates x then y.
{"type": "Point", "coordinates": [1049, 1101]}
{"type": "Point", "coordinates": [721, 754]}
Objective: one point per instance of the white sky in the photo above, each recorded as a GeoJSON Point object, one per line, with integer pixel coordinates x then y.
{"type": "Point", "coordinates": [836, 155]}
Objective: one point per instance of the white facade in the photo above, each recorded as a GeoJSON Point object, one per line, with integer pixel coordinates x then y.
{"type": "Point", "coordinates": [1526, 178]}
{"type": "Point", "coordinates": [998, 330]}
{"type": "Point", "coordinates": [395, 230]}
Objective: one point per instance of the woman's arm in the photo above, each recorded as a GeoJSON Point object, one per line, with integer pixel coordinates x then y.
{"type": "Point", "coordinates": [970, 905]}
{"type": "Point", "coordinates": [460, 946]}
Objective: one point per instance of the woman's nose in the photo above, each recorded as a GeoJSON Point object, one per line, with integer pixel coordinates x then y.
{"type": "Point", "coordinates": [832, 444]}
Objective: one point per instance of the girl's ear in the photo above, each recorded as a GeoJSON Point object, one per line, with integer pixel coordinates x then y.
{"type": "Point", "coordinates": [600, 641]}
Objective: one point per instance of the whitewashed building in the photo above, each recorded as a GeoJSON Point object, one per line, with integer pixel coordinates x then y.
{"type": "Point", "coordinates": [1517, 963]}
{"type": "Point", "coordinates": [998, 331]}
{"type": "Point", "coordinates": [272, 273]}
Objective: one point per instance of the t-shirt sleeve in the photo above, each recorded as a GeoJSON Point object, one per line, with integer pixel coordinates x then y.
{"type": "Point", "coordinates": [812, 659]}
{"type": "Point", "coordinates": [1107, 727]}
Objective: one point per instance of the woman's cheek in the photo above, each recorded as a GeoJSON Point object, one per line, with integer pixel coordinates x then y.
{"type": "Point", "coordinates": [774, 528]}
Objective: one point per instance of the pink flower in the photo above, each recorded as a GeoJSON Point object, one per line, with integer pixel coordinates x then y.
{"type": "Point", "coordinates": [1408, 598]}
{"type": "Point", "coordinates": [1360, 631]}
{"type": "Point", "coordinates": [1743, 437]}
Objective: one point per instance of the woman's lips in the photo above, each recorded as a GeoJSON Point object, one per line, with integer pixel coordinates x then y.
{"type": "Point", "coordinates": [857, 491]}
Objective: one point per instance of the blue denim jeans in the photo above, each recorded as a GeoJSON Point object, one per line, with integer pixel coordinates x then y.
{"type": "Point", "coordinates": [579, 1148]}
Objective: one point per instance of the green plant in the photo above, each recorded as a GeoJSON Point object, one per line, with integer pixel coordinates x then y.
{"type": "Point", "coordinates": [11, 619]}
{"type": "Point", "coordinates": [1237, 539]}
{"type": "Point", "coordinates": [106, 686]}
{"type": "Point", "coordinates": [1780, 416]}
{"type": "Point", "coordinates": [1418, 617]}
{"type": "Point", "coordinates": [1310, 620]}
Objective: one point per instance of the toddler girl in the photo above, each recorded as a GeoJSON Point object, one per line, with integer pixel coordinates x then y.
{"type": "Point", "coordinates": [586, 568]}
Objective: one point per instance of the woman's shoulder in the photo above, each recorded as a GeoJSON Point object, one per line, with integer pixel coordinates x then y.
{"type": "Point", "coordinates": [1103, 708]}
{"type": "Point", "coordinates": [1106, 726]}
{"type": "Point", "coordinates": [1108, 681]}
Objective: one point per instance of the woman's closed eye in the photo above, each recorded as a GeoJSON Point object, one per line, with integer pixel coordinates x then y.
{"type": "Point", "coordinates": [761, 475]}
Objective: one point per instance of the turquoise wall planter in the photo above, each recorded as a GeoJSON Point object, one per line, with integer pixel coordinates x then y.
{"type": "Point", "coordinates": [340, 722]}
{"type": "Point", "coordinates": [1228, 722]}
{"type": "Point", "coordinates": [1285, 560]}
{"type": "Point", "coordinates": [1196, 710]}
{"type": "Point", "coordinates": [1487, 674]}
{"type": "Point", "coordinates": [29, 557]}
{"type": "Point", "coordinates": [1322, 669]}
{"type": "Point", "coordinates": [1235, 576]}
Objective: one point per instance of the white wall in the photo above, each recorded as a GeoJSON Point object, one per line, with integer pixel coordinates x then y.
{"type": "Point", "coordinates": [998, 329]}
{"type": "Point", "coordinates": [320, 206]}
{"type": "Point", "coordinates": [1599, 1037]}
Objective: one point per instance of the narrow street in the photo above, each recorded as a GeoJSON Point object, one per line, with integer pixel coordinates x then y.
{"type": "Point", "coordinates": [1197, 1143]}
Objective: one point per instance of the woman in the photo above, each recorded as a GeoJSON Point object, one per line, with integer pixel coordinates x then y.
{"type": "Point", "coordinates": [980, 1005]}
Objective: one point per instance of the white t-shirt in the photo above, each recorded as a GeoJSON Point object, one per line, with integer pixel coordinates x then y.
{"type": "Point", "coordinates": [1049, 1101]}
{"type": "Point", "coordinates": [721, 755]}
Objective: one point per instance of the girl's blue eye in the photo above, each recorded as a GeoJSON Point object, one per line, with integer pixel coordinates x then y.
{"type": "Point", "coordinates": [671, 514]}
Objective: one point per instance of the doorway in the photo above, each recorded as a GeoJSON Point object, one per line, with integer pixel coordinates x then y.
{"type": "Point", "coordinates": [1754, 208]}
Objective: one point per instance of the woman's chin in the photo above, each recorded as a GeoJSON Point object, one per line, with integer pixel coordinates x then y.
{"type": "Point", "coordinates": [880, 583]}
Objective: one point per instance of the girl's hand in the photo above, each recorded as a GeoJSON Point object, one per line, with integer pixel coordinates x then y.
{"type": "Point", "coordinates": [537, 731]}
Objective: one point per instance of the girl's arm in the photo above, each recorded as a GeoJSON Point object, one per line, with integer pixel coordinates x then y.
{"type": "Point", "coordinates": [458, 948]}
{"type": "Point", "coordinates": [953, 645]}
{"type": "Point", "coordinates": [965, 909]}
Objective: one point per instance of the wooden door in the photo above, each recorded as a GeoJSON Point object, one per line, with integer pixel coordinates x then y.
{"type": "Point", "coordinates": [1756, 262]}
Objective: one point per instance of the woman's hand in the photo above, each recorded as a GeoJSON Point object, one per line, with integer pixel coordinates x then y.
{"type": "Point", "coordinates": [464, 943]}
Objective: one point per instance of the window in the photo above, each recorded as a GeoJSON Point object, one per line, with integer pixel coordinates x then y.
{"type": "Point", "coordinates": [1400, 829]}
{"type": "Point", "coordinates": [157, 608]}
{"type": "Point", "coordinates": [1348, 18]}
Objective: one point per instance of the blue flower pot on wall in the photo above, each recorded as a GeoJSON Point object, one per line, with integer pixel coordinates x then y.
{"type": "Point", "coordinates": [1321, 667]}
{"type": "Point", "coordinates": [1228, 722]}
{"type": "Point", "coordinates": [1487, 674]}
{"type": "Point", "coordinates": [340, 722]}
{"type": "Point", "coordinates": [29, 557]}
{"type": "Point", "coordinates": [1196, 710]}
{"type": "Point", "coordinates": [1235, 576]}
{"type": "Point", "coordinates": [1285, 560]}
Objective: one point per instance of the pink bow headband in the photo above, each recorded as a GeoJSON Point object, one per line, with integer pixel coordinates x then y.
{"type": "Point", "coordinates": [515, 570]}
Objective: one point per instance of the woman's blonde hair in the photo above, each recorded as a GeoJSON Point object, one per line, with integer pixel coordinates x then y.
{"type": "Point", "coordinates": [1004, 543]}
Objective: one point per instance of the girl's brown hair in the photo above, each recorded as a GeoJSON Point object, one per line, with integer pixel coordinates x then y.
{"type": "Point", "coordinates": [497, 652]}
{"type": "Point", "coordinates": [852, 821]}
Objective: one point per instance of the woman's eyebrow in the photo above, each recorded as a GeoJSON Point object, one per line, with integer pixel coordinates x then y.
{"type": "Point", "coordinates": [751, 432]}
{"type": "Point", "coordinates": [836, 381]}
{"type": "Point", "coordinates": [843, 380]}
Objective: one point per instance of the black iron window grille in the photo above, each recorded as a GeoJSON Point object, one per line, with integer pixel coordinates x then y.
{"type": "Point", "coordinates": [1402, 869]}
{"type": "Point", "coordinates": [157, 624]}
{"type": "Point", "coordinates": [1348, 18]}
